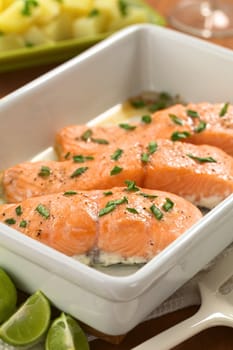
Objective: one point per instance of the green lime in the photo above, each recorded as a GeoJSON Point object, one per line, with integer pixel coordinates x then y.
{"type": "Point", "coordinates": [66, 334]}
{"type": "Point", "coordinates": [29, 323]}
{"type": "Point", "coordinates": [8, 296]}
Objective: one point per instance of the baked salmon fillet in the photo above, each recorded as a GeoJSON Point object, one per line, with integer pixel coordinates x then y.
{"type": "Point", "coordinates": [121, 226]}
{"type": "Point", "coordinates": [202, 123]}
{"type": "Point", "coordinates": [202, 174]}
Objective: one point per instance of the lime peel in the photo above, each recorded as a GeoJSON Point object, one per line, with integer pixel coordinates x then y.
{"type": "Point", "coordinates": [29, 323]}
{"type": "Point", "coordinates": [66, 334]}
{"type": "Point", "coordinates": [8, 296]}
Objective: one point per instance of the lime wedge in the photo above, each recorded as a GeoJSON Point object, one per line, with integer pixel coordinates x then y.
{"type": "Point", "coordinates": [66, 334]}
{"type": "Point", "coordinates": [8, 296]}
{"type": "Point", "coordinates": [30, 322]}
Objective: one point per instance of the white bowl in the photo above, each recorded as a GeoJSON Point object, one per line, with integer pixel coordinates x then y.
{"type": "Point", "coordinates": [139, 58]}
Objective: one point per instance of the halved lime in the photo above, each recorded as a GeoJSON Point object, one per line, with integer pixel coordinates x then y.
{"type": "Point", "coordinates": [29, 323]}
{"type": "Point", "coordinates": [8, 296]}
{"type": "Point", "coordinates": [66, 334]}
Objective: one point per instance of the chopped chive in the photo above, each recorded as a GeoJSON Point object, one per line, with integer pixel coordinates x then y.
{"type": "Point", "coordinates": [108, 193]}
{"type": "Point", "coordinates": [175, 119]}
{"type": "Point", "coordinates": [81, 159]}
{"type": "Point", "coordinates": [193, 114]}
{"type": "Point", "coordinates": [117, 201]}
{"type": "Point", "coordinates": [180, 135]}
{"type": "Point", "coordinates": [27, 7]}
{"type": "Point", "coordinates": [146, 119]}
{"type": "Point", "coordinates": [200, 127]}
{"type": "Point", "coordinates": [147, 195]}
{"type": "Point", "coordinates": [138, 104]}
{"type": "Point", "coordinates": [44, 171]}
{"type": "Point", "coordinates": [123, 7]}
{"type": "Point", "coordinates": [100, 141]}
{"type": "Point", "coordinates": [157, 106]}
{"type": "Point", "coordinates": [145, 157]}
{"type": "Point", "coordinates": [43, 211]}
{"type": "Point", "coordinates": [131, 186]}
{"type": "Point", "coordinates": [224, 109]}
{"type": "Point", "coordinates": [87, 135]}
{"type": "Point", "coordinates": [70, 193]}
{"type": "Point", "coordinates": [106, 210]}
{"type": "Point", "coordinates": [156, 212]}
{"type": "Point", "coordinates": [168, 205]}
{"type": "Point", "coordinates": [79, 172]}
{"type": "Point", "coordinates": [132, 210]}
{"type": "Point", "coordinates": [117, 154]}
{"type": "Point", "coordinates": [202, 160]}
{"type": "Point", "coordinates": [165, 96]}
{"type": "Point", "coordinates": [23, 223]}
{"type": "Point", "coordinates": [18, 210]}
{"type": "Point", "coordinates": [10, 221]}
{"type": "Point", "coordinates": [152, 147]}
{"type": "Point", "coordinates": [116, 170]}
{"type": "Point", "coordinates": [127, 126]}
{"type": "Point", "coordinates": [67, 155]}
{"type": "Point", "coordinates": [93, 13]}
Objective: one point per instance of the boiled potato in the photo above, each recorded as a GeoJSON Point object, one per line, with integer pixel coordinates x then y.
{"type": "Point", "coordinates": [88, 26]}
{"type": "Point", "coordinates": [77, 7]}
{"type": "Point", "coordinates": [13, 19]}
{"type": "Point", "coordinates": [11, 42]}
{"type": "Point", "coordinates": [49, 9]}
{"type": "Point", "coordinates": [35, 36]}
{"type": "Point", "coordinates": [110, 10]}
{"type": "Point", "coordinates": [60, 28]}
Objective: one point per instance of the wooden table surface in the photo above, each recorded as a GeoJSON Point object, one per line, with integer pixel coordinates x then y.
{"type": "Point", "coordinates": [218, 338]}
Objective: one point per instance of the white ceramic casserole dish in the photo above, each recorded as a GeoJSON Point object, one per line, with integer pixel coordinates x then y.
{"type": "Point", "coordinates": [140, 58]}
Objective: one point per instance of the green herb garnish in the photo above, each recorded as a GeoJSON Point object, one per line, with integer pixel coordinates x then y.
{"type": "Point", "coordinates": [175, 119]}
{"type": "Point", "coordinates": [27, 7]}
{"type": "Point", "coordinates": [123, 7]}
{"type": "Point", "coordinates": [117, 154]}
{"type": "Point", "coordinates": [23, 223]}
{"type": "Point", "coordinates": [200, 127]}
{"type": "Point", "coordinates": [192, 114]}
{"type": "Point", "coordinates": [146, 119]}
{"type": "Point", "coordinates": [100, 141]}
{"type": "Point", "coordinates": [44, 171]}
{"type": "Point", "coordinates": [224, 109]}
{"type": "Point", "coordinates": [93, 13]}
{"type": "Point", "coordinates": [138, 104]}
{"type": "Point", "coordinates": [145, 157]}
{"type": "Point", "coordinates": [10, 221]}
{"type": "Point", "coordinates": [79, 172]}
{"type": "Point", "coordinates": [152, 147]}
{"type": "Point", "coordinates": [81, 159]}
{"type": "Point", "coordinates": [43, 211]}
{"type": "Point", "coordinates": [132, 210]}
{"type": "Point", "coordinates": [116, 170]}
{"type": "Point", "coordinates": [202, 160]}
{"type": "Point", "coordinates": [106, 210]}
{"type": "Point", "coordinates": [108, 193]}
{"type": "Point", "coordinates": [161, 104]}
{"type": "Point", "coordinates": [168, 205]}
{"type": "Point", "coordinates": [147, 195]}
{"type": "Point", "coordinates": [131, 186]}
{"type": "Point", "coordinates": [18, 210]}
{"type": "Point", "coordinates": [117, 202]}
{"type": "Point", "coordinates": [156, 212]}
{"type": "Point", "coordinates": [180, 135]}
{"type": "Point", "coordinates": [87, 135]}
{"type": "Point", "coordinates": [70, 193]}
{"type": "Point", "coordinates": [127, 126]}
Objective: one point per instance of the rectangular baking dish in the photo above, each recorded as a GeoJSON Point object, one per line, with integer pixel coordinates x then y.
{"type": "Point", "coordinates": [139, 58]}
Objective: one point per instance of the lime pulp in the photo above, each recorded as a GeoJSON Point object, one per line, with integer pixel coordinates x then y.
{"type": "Point", "coordinates": [8, 296]}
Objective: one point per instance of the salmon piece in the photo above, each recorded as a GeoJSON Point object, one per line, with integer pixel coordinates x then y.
{"type": "Point", "coordinates": [204, 123]}
{"type": "Point", "coordinates": [35, 179]}
{"type": "Point", "coordinates": [198, 123]}
{"type": "Point", "coordinates": [125, 227]}
{"type": "Point", "coordinates": [202, 174]}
